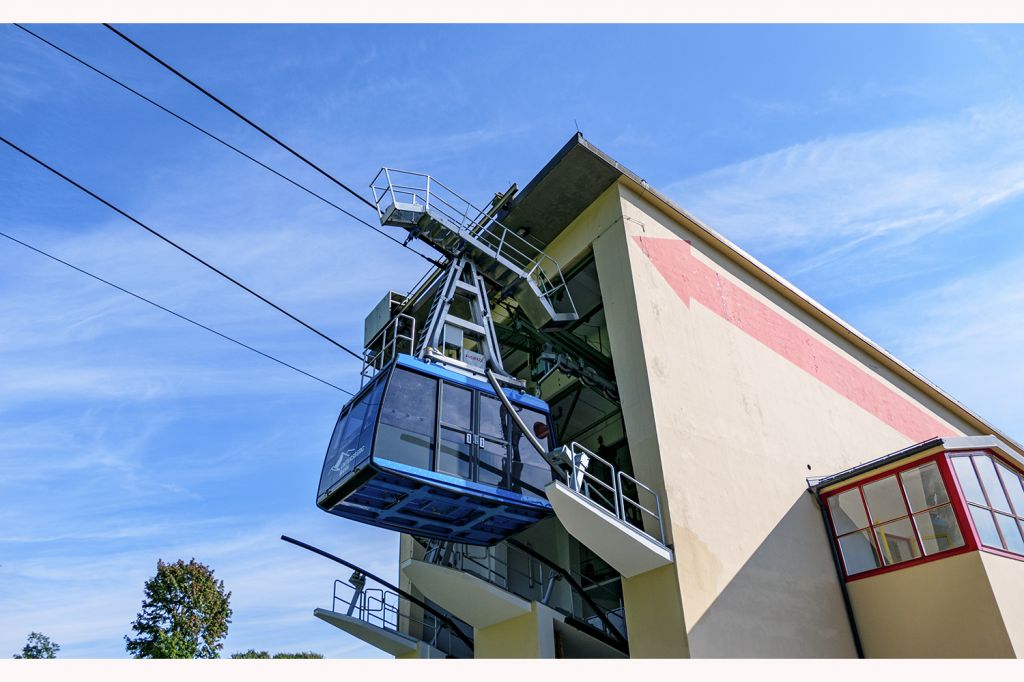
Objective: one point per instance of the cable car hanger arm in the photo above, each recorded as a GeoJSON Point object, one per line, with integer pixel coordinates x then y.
{"type": "Point", "coordinates": [552, 460]}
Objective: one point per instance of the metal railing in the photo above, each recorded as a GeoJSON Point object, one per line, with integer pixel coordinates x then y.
{"type": "Point", "coordinates": [399, 190]}
{"type": "Point", "coordinates": [616, 616]}
{"type": "Point", "coordinates": [456, 643]}
{"type": "Point", "coordinates": [389, 611]}
{"type": "Point", "coordinates": [616, 492]}
{"type": "Point", "coordinates": [636, 506]}
{"type": "Point", "coordinates": [524, 575]}
{"type": "Point", "coordinates": [397, 336]}
{"type": "Point", "coordinates": [518, 572]}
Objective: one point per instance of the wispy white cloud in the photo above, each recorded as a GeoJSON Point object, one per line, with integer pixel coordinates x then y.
{"type": "Point", "coordinates": [866, 191]}
{"type": "Point", "coordinates": [966, 334]}
{"type": "Point", "coordinates": [832, 99]}
{"type": "Point", "coordinates": [86, 600]}
{"type": "Point", "coordinates": [126, 435]}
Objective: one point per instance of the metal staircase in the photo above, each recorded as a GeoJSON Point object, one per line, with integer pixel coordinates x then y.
{"type": "Point", "coordinates": [432, 212]}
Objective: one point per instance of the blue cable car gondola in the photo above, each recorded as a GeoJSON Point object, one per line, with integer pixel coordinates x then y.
{"type": "Point", "coordinates": [426, 450]}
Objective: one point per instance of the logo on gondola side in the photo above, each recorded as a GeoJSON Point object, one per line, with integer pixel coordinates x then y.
{"type": "Point", "coordinates": [346, 460]}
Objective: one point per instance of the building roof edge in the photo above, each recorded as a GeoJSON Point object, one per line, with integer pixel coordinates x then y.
{"type": "Point", "coordinates": [780, 284]}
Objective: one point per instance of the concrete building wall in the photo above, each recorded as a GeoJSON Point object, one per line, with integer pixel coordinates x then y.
{"type": "Point", "coordinates": [946, 608]}
{"type": "Point", "coordinates": [1006, 577]}
{"type": "Point", "coordinates": [732, 395]}
{"type": "Point", "coordinates": [531, 635]}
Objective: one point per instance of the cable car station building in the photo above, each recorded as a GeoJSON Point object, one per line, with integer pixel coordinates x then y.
{"type": "Point", "coordinates": [603, 430]}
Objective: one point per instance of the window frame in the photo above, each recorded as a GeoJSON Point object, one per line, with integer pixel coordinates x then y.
{"type": "Point", "coordinates": [476, 395]}
{"type": "Point", "coordinates": [956, 502]}
{"type": "Point", "coordinates": [965, 505]}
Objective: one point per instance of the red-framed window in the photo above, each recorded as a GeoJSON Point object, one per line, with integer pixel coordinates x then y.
{"type": "Point", "coordinates": [898, 518]}
{"type": "Point", "coordinates": [945, 504]}
{"type": "Point", "coordinates": [994, 496]}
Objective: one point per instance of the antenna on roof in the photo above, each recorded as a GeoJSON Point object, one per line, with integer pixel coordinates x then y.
{"type": "Point", "coordinates": [577, 125]}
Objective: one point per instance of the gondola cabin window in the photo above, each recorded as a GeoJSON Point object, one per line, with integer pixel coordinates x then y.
{"type": "Point", "coordinates": [407, 420]}
{"type": "Point", "coordinates": [352, 437]}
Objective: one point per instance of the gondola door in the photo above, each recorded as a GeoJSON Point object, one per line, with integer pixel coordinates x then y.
{"type": "Point", "coordinates": [492, 442]}
{"type": "Point", "coordinates": [457, 455]}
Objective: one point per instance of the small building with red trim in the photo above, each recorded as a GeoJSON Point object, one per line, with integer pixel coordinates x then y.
{"type": "Point", "coordinates": [929, 543]}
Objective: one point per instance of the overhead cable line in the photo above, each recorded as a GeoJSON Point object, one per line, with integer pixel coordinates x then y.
{"type": "Point", "coordinates": [185, 251]}
{"type": "Point", "coordinates": [168, 310]}
{"type": "Point", "coordinates": [234, 111]}
{"type": "Point", "coordinates": [227, 144]}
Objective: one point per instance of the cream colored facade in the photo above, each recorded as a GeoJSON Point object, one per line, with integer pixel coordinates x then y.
{"type": "Point", "coordinates": [726, 426]}
{"type": "Point", "coordinates": [965, 606]}
{"type": "Point", "coordinates": [729, 430]}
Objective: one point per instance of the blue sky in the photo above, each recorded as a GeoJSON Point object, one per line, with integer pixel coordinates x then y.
{"type": "Point", "coordinates": [880, 169]}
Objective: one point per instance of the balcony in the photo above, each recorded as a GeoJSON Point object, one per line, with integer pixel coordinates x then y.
{"type": "Point", "coordinates": [612, 513]}
{"type": "Point", "coordinates": [485, 586]}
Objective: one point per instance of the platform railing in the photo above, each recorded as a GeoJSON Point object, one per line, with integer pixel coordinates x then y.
{"type": "Point", "coordinates": [394, 189]}
{"type": "Point", "coordinates": [536, 583]}
{"type": "Point", "coordinates": [626, 503]}
{"type": "Point", "coordinates": [616, 492]}
{"type": "Point", "coordinates": [566, 591]}
{"type": "Point", "coordinates": [616, 616]}
{"type": "Point", "coordinates": [389, 611]}
{"type": "Point", "coordinates": [397, 336]}
{"type": "Point", "coordinates": [586, 480]}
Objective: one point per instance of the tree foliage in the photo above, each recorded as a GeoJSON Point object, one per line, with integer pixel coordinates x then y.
{"type": "Point", "coordinates": [252, 653]}
{"type": "Point", "coordinates": [185, 613]}
{"type": "Point", "coordinates": [39, 646]}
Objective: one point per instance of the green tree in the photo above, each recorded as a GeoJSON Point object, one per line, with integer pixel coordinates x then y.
{"type": "Point", "coordinates": [252, 653]}
{"type": "Point", "coordinates": [185, 613]}
{"type": "Point", "coordinates": [39, 646]}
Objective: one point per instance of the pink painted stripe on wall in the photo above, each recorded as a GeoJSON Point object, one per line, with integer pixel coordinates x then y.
{"type": "Point", "coordinates": [693, 279]}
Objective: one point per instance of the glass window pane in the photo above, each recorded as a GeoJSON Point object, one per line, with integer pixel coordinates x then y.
{"type": "Point", "coordinates": [1011, 533]}
{"type": "Point", "coordinates": [1013, 486]}
{"type": "Point", "coordinates": [885, 501]}
{"type": "Point", "coordinates": [989, 478]}
{"type": "Point", "coordinates": [847, 511]}
{"type": "Point", "coordinates": [408, 416]}
{"type": "Point", "coordinates": [492, 418]}
{"type": "Point", "coordinates": [986, 526]}
{"type": "Point", "coordinates": [331, 471]}
{"type": "Point", "coordinates": [529, 471]}
{"type": "Point", "coordinates": [457, 406]}
{"type": "Point", "coordinates": [968, 480]}
{"type": "Point", "coordinates": [858, 552]}
{"type": "Point", "coordinates": [350, 441]}
{"type": "Point", "coordinates": [493, 461]}
{"type": "Point", "coordinates": [896, 542]}
{"type": "Point", "coordinates": [455, 455]}
{"type": "Point", "coordinates": [924, 487]}
{"type": "Point", "coordinates": [938, 529]}
{"type": "Point", "coordinates": [361, 442]}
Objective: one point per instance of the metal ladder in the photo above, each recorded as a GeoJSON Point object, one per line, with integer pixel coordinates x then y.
{"type": "Point", "coordinates": [445, 330]}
